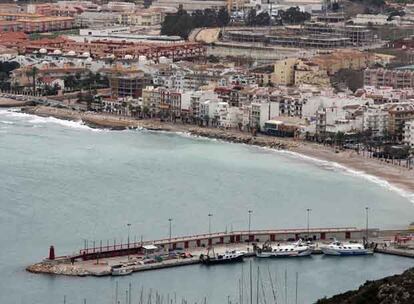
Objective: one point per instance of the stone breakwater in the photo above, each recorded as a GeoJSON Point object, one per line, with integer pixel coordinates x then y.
{"type": "Point", "coordinates": [240, 138]}
{"type": "Point", "coordinates": [9, 103]}
{"type": "Point", "coordinates": [59, 268]}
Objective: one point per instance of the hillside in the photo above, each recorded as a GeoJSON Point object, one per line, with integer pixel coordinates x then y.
{"type": "Point", "coordinates": [397, 289]}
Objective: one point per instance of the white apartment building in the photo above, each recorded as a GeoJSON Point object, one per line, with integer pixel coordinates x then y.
{"type": "Point", "coordinates": [222, 110]}
{"type": "Point", "coordinates": [409, 133]}
{"type": "Point", "coordinates": [262, 112]}
{"type": "Point", "coordinates": [375, 118]}
{"type": "Point", "coordinates": [208, 110]}
{"type": "Point", "coordinates": [318, 102]}
{"type": "Point", "coordinates": [232, 118]}
{"type": "Point", "coordinates": [199, 97]}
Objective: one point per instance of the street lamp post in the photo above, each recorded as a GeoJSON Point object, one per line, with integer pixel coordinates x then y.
{"type": "Point", "coordinates": [366, 224]}
{"type": "Point", "coordinates": [250, 222]}
{"type": "Point", "coordinates": [129, 232]}
{"type": "Point", "coordinates": [209, 223]}
{"type": "Point", "coordinates": [169, 244]}
{"type": "Point", "coordinates": [308, 210]}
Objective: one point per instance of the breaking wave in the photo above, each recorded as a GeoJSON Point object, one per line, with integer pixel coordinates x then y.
{"type": "Point", "coordinates": [336, 166]}
{"type": "Point", "coordinates": [34, 119]}
{"type": "Point", "coordinates": [325, 164]}
{"type": "Point", "coordinates": [65, 123]}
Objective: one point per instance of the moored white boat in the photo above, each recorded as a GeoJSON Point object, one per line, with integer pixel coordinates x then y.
{"type": "Point", "coordinates": [120, 271]}
{"type": "Point", "coordinates": [297, 249]}
{"type": "Point", "coordinates": [233, 256]}
{"type": "Point", "coordinates": [345, 249]}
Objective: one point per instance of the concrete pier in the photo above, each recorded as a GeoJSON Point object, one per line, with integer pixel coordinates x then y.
{"type": "Point", "coordinates": [234, 237]}
{"type": "Point", "coordinates": [181, 251]}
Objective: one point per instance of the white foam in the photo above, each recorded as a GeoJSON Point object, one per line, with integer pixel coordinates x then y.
{"type": "Point", "coordinates": [6, 122]}
{"type": "Point", "coordinates": [34, 119]}
{"type": "Point", "coordinates": [336, 166]}
{"type": "Point", "coordinates": [65, 123]}
{"type": "Point", "coordinates": [13, 113]}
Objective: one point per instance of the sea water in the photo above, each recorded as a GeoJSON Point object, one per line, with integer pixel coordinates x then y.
{"type": "Point", "coordinates": [63, 183]}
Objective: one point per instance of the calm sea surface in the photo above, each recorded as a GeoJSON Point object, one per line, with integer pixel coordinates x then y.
{"type": "Point", "coordinates": [62, 182]}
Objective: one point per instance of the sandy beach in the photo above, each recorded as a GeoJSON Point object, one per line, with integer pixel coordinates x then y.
{"type": "Point", "coordinates": [397, 176]}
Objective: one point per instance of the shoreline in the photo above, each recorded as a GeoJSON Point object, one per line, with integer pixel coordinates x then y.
{"type": "Point", "coordinates": [399, 178]}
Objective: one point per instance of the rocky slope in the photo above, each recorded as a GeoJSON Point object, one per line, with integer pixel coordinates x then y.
{"type": "Point", "coordinates": [397, 289]}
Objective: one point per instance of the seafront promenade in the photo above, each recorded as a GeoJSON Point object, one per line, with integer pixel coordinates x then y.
{"type": "Point", "coordinates": [185, 250]}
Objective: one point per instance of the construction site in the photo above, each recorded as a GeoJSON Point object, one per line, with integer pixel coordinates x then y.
{"type": "Point", "coordinates": [318, 35]}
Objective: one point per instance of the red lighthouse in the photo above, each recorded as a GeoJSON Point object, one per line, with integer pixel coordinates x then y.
{"type": "Point", "coordinates": [51, 253]}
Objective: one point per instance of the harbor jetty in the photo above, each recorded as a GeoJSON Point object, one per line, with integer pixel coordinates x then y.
{"type": "Point", "coordinates": [101, 259]}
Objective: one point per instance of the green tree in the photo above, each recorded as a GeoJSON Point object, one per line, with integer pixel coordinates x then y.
{"type": "Point", "coordinates": [293, 15]}
{"type": "Point", "coordinates": [147, 3]}
{"type": "Point", "coordinates": [251, 17]}
{"type": "Point", "coordinates": [223, 17]}
{"type": "Point", "coordinates": [339, 138]}
{"type": "Point", "coordinates": [70, 82]}
{"type": "Point", "coordinates": [263, 19]}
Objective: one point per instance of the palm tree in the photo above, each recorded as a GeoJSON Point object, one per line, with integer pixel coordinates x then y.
{"type": "Point", "coordinates": [145, 110]}
{"type": "Point", "coordinates": [339, 138]}
{"type": "Point", "coordinates": [206, 119]}
{"type": "Point", "coordinates": [33, 73]}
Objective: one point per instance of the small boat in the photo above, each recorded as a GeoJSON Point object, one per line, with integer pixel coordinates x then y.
{"type": "Point", "coordinates": [233, 256]}
{"type": "Point", "coordinates": [337, 248]}
{"type": "Point", "coordinates": [298, 249]}
{"type": "Point", "coordinates": [120, 271]}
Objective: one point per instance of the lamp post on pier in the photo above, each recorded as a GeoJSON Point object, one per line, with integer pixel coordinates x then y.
{"type": "Point", "coordinates": [366, 224]}
{"type": "Point", "coordinates": [250, 222]}
{"type": "Point", "coordinates": [170, 230]}
{"type": "Point", "coordinates": [308, 211]}
{"type": "Point", "coordinates": [129, 232]}
{"type": "Point", "coordinates": [209, 223]}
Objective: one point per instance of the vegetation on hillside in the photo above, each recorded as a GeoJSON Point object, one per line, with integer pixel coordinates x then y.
{"type": "Point", "coordinates": [377, 3]}
{"type": "Point", "coordinates": [78, 82]}
{"type": "Point", "coordinates": [292, 15]}
{"type": "Point", "coordinates": [351, 79]}
{"type": "Point", "coordinates": [182, 23]}
{"type": "Point", "coordinates": [5, 69]}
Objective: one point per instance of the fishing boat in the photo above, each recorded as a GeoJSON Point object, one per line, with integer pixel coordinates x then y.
{"type": "Point", "coordinates": [337, 248]}
{"type": "Point", "coordinates": [233, 256]}
{"type": "Point", "coordinates": [298, 249]}
{"type": "Point", "coordinates": [120, 271]}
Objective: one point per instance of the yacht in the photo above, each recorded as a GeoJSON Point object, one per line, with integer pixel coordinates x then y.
{"type": "Point", "coordinates": [297, 249]}
{"type": "Point", "coordinates": [233, 256]}
{"type": "Point", "coordinates": [345, 249]}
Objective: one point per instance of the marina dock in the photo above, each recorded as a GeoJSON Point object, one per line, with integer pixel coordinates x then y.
{"type": "Point", "coordinates": [185, 250]}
